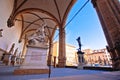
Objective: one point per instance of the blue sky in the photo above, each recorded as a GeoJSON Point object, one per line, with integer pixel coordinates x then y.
{"type": "Point", "coordinates": [86, 25]}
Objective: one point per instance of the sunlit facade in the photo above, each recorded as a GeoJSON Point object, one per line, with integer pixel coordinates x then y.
{"type": "Point", "coordinates": [100, 57]}
{"type": "Point", "coordinates": [71, 54]}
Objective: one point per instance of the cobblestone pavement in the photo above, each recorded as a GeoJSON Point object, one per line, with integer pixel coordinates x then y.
{"type": "Point", "coordinates": [6, 73]}
{"type": "Point", "coordinates": [102, 76]}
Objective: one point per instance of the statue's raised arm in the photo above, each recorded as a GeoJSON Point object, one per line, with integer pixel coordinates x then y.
{"type": "Point", "coordinates": [79, 43]}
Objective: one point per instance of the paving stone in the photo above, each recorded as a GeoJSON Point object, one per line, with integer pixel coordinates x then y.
{"type": "Point", "coordinates": [6, 73]}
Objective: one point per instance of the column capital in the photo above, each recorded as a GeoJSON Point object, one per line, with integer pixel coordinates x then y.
{"type": "Point", "coordinates": [10, 22]}
{"type": "Point", "coordinates": [94, 2]}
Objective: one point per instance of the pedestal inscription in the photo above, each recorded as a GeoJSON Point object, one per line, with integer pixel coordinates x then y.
{"type": "Point", "coordinates": [35, 61]}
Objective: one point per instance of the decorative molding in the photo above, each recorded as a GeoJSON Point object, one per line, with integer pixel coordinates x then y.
{"type": "Point", "coordinates": [10, 22]}
{"type": "Point", "coordinates": [94, 2]}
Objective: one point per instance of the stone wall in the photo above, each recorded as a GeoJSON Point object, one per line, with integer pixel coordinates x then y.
{"type": "Point", "coordinates": [9, 35]}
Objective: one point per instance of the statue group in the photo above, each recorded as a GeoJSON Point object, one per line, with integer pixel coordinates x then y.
{"type": "Point", "coordinates": [36, 54]}
{"type": "Point", "coordinates": [37, 37]}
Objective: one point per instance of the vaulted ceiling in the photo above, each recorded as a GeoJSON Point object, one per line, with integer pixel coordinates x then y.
{"type": "Point", "coordinates": [34, 13]}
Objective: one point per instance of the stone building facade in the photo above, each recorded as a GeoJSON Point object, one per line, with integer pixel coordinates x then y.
{"type": "Point", "coordinates": [71, 54]}
{"type": "Point", "coordinates": [100, 57]}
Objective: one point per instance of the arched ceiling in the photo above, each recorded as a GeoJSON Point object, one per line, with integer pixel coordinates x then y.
{"type": "Point", "coordinates": [35, 13]}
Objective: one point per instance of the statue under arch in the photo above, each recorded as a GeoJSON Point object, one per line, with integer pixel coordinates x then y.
{"type": "Point", "coordinates": [38, 36]}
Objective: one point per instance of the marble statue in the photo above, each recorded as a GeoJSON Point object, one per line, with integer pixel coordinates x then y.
{"type": "Point", "coordinates": [35, 60]}
{"type": "Point", "coordinates": [38, 36]}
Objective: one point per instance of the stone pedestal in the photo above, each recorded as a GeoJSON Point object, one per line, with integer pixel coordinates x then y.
{"type": "Point", "coordinates": [13, 60]}
{"type": "Point", "coordinates": [21, 60]}
{"type": "Point", "coordinates": [2, 53]}
{"type": "Point", "coordinates": [81, 59]}
{"type": "Point", "coordinates": [35, 61]}
{"type": "Point", "coordinates": [80, 65]}
{"type": "Point", "coordinates": [18, 60]}
{"type": "Point", "coordinates": [7, 59]}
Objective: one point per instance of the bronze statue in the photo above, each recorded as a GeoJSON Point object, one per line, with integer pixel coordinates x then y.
{"type": "Point", "coordinates": [79, 43]}
{"type": "Point", "coordinates": [80, 53]}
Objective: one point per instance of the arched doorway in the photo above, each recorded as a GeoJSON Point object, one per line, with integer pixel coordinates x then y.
{"type": "Point", "coordinates": [32, 13]}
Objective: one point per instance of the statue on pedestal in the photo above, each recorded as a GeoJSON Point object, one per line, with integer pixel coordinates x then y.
{"type": "Point", "coordinates": [7, 55]}
{"type": "Point", "coordinates": [13, 57]}
{"type": "Point", "coordinates": [80, 53]}
{"type": "Point", "coordinates": [35, 60]}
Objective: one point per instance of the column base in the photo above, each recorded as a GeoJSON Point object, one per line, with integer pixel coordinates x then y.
{"type": "Point", "coordinates": [6, 62]}
{"type": "Point", "coordinates": [61, 63]}
{"type": "Point", "coordinates": [49, 62]}
{"type": "Point", "coordinates": [31, 71]}
{"type": "Point", "coordinates": [116, 64]}
{"type": "Point", "coordinates": [13, 60]}
{"type": "Point", "coordinates": [7, 59]}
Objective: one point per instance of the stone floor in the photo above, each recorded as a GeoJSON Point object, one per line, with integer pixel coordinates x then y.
{"type": "Point", "coordinates": [6, 73]}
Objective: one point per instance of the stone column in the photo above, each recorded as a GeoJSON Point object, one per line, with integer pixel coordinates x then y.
{"type": "Point", "coordinates": [13, 57]}
{"type": "Point", "coordinates": [50, 54]}
{"type": "Point", "coordinates": [54, 63]}
{"type": "Point", "coordinates": [116, 8]}
{"type": "Point", "coordinates": [18, 58]}
{"type": "Point", "coordinates": [62, 52]}
{"type": "Point", "coordinates": [108, 12]}
{"type": "Point", "coordinates": [23, 51]}
{"type": "Point", "coordinates": [24, 48]}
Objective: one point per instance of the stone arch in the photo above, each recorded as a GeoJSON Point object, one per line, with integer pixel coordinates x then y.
{"type": "Point", "coordinates": [108, 12]}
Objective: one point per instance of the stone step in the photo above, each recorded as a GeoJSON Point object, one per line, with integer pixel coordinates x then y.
{"type": "Point", "coordinates": [1, 63]}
